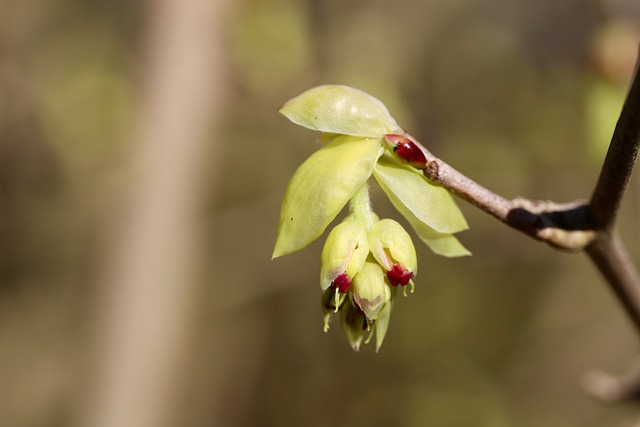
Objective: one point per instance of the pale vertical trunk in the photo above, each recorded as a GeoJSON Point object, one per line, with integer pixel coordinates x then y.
{"type": "Point", "coordinates": [146, 305]}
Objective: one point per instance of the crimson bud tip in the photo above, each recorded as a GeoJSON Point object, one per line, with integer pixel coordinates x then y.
{"type": "Point", "coordinates": [406, 150]}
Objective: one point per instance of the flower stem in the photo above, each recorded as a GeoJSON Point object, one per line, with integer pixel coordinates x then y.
{"type": "Point", "coordinates": [360, 207]}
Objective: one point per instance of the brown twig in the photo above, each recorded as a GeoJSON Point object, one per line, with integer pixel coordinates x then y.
{"type": "Point", "coordinates": [564, 226]}
{"type": "Point", "coordinates": [577, 226]}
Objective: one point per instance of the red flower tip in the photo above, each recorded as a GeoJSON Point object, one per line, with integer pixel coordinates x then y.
{"type": "Point", "coordinates": [398, 275]}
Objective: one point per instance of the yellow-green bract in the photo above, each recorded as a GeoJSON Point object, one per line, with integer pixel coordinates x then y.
{"type": "Point", "coordinates": [342, 110]}
{"type": "Point", "coordinates": [433, 214]}
{"type": "Point", "coordinates": [321, 187]}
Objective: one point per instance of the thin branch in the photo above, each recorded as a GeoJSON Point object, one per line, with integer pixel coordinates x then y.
{"type": "Point", "coordinates": [570, 226]}
{"type": "Point", "coordinates": [565, 226]}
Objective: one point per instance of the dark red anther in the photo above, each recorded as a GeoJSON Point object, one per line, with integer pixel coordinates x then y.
{"type": "Point", "coordinates": [398, 275]}
{"type": "Point", "coordinates": [406, 150]}
{"type": "Point", "coordinates": [342, 283]}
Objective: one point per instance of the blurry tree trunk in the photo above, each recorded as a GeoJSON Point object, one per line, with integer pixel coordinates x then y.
{"type": "Point", "coordinates": [146, 306]}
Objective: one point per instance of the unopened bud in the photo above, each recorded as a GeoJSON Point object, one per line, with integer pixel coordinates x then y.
{"type": "Point", "coordinates": [406, 150]}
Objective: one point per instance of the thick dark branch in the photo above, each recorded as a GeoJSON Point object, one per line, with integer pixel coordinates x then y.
{"type": "Point", "coordinates": [607, 250]}
{"type": "Point", "coordinates": [618, 165]}
{"type": "Point", "coordinates": [609, 255]}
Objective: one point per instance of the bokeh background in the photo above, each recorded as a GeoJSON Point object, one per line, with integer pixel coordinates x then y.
{"type": "Point", "coordinates": [188, 322]}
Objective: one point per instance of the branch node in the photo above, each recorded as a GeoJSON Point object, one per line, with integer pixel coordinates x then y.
{"type": "Point", "coordinates": [612, 389]}
{"type": "Point", "coordinates": [432, 171]}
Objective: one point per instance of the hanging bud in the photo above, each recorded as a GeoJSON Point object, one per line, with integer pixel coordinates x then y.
{"type": "Point", "coordinates": [354, 325]}
{"type": "Point", "coordinates": [369, 292]}
{"type": "Point", "coordinates": [406, 150]}
{"type": "Point", "coordinates": [392, 247]}
{"type": "Point", "coordinates": [343, 255]}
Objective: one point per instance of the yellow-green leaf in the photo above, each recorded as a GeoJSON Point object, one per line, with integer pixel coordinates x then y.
{"type": "Point", "coordinates": [410, 192]}
{"type": "Point", "coordinates": [321, 187]}
{"type": "Point", "coordinates": [340, 109]}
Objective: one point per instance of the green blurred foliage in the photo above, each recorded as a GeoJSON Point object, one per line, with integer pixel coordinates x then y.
{"type": "Point", "coordinates": [507, 92]}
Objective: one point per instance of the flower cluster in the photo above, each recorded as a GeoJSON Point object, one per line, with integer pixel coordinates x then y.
{"type": "Point", "coordinates": [364, 258]}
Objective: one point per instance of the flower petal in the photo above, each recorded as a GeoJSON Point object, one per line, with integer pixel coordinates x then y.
{"type": "Point", "coordinates": [340, 109]}
{"type": "Point", "coordinates": [369, 291]}
{"type": "Point", "coordinates": [389, 243]}
{"type": "Point", "coordinates": [344, 251]}
{"type": "Point", "coordinates": [321, 187]}
{"type": "Point", "coordinates": [409, 191]}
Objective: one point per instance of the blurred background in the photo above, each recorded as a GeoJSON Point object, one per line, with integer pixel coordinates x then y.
{"type": "Point", "coordinates": [142, 165]}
